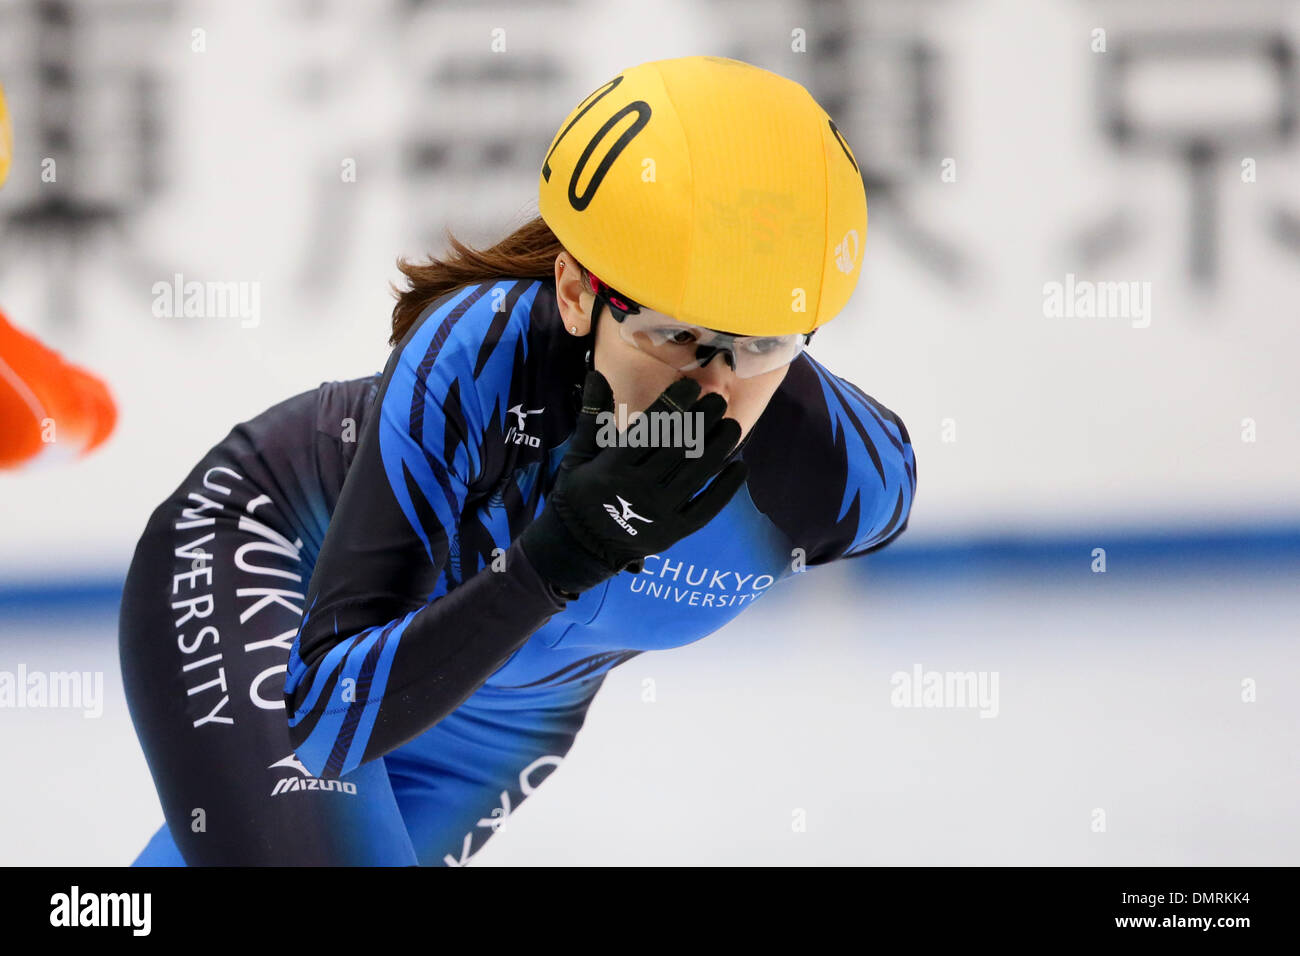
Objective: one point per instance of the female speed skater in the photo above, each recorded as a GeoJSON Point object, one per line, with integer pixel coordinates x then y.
{"type": "Point", "coordinates": [370, 621]}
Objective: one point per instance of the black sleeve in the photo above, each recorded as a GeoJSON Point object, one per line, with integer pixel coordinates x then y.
{"type": "Point", "coordinates": [379, 657]}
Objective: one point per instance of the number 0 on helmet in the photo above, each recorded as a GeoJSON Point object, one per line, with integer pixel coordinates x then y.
{"type": "Point", "coordinates": [713, 191]}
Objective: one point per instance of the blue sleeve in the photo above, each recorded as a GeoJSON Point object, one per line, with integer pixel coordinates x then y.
{"type": "Point", "coordinates": [397, 632]}
{"type": "Point", "coordinates": [880, 480]}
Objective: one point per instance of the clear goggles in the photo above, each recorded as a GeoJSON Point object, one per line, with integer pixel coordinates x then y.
{"type": "Point", "coordinates": [684, 347]}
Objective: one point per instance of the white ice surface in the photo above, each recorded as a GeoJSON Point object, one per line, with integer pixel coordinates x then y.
{"type": "Point", "coordinates": [1114, 693]}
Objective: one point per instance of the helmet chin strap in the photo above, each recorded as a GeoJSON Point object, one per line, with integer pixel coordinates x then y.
{"type": "Point", "coordinates": [590, 359]}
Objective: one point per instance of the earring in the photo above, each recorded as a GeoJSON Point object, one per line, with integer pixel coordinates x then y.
{"type": "Point", "coordinates": [573, 329]}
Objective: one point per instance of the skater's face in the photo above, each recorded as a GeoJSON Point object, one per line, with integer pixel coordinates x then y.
{"type": "Point", "coordinates": [637, 378]}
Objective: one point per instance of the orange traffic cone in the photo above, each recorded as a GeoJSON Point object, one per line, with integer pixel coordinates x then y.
{"type": "Point", "coordinates": [47, 406]}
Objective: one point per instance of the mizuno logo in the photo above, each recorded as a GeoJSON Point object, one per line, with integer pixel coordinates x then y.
{"type": "Point", "coordinates": [626, 515]}
{"type": "Point", "coordinates": [292, 762]}
{"type": "Point", "coordinates": [519, 413]}
{"type": "Point", "coordinates": [288, 784]}
{"type": "Point", "coordinates": [515, 435]}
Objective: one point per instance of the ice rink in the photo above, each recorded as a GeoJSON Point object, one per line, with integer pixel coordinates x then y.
{"type": "Point", "coordinates": [774, 741]}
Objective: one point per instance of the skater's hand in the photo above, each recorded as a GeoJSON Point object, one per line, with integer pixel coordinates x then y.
{"type": "Point", "coordinates": [613, 506]}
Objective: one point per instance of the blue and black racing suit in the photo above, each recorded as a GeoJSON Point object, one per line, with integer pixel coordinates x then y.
{"type": "Point", "coordinates": [356, 546]}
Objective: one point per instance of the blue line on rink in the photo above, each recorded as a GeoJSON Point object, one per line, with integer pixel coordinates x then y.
{"type": "Point", "coordinates": [1158, 551]}
{"type": "Point", "coordinates": [75, 596]}
{"type": "Point", "coordinates": [1127, 551]}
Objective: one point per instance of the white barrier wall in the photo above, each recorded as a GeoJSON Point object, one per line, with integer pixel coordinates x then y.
{"type": "Point", "coordinates": [1182, 413]}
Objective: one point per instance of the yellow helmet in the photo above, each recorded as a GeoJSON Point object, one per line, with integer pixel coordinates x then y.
{"type": "Point", "coordinates": [6, 138]}
{"type": "Point", "coordinates": [713, 191]}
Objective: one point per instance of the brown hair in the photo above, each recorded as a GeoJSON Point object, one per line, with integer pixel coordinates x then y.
{"type": "Point", "coordinates": [527, 253]}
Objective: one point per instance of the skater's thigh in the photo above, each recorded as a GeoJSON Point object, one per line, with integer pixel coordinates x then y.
{"type": "Point", "coordinates": [210, 607]}
{"type": "Point", "coordinates": [459, 782]}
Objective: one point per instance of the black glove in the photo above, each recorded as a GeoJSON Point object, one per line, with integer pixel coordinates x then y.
{"type": "Point", "coordinates": [611, 507]}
